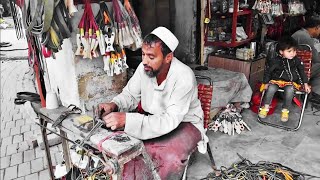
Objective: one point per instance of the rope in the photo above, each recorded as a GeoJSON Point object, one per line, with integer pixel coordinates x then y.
{"type": "Point", "coordinates": [263, 170]}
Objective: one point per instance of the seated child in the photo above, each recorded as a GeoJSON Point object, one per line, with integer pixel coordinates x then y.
{"type": "Point", "coordinates": [285, 71]}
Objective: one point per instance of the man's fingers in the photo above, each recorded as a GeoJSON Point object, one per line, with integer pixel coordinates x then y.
{"type": "Point", "coordinates": [100, 110]}
{"type": "Point", "coordinates": [108, 120]}
{"type": "Point", "coordinates": [103, 113]}
{"type": "Point", "coordinates": [110, 123]}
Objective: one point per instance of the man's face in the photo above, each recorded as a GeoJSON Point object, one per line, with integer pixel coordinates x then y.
{"type": "Point", "coordinates": [152, 58]}
{"type": "Point", "coordinates": [317, 32]}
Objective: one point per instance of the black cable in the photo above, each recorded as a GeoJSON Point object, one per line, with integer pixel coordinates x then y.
{"type": "Point", "coordinates": [245, 169]}
{"type": "Point", "coordinates": [13, 49]}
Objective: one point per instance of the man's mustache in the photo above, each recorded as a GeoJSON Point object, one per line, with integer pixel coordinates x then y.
{"type": "Point", "coordinates": [146, 66]}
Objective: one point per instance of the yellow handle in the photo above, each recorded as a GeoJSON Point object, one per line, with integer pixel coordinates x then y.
{"type": "Point", "coordinates": [262, 87]}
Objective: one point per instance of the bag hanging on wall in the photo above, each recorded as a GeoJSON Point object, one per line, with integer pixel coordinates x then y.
{"type": "Point", "coordinates": [263, 6]}
{"type": "Point", "coordinates": [296, 7]}
{"type": "Point", "coordinates": [276, 8]}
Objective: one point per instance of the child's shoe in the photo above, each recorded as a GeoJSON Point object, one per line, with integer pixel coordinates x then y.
{"type": "Point", "coordinates": [263, 112]}
{"type": "Point", "coordinates": [284, 115]}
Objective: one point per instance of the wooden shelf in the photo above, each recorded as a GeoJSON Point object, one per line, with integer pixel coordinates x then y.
{"type": "Point", "coordinates": [76, 2]}
{"type": "Point", "coordinates": [235, 16]}
{"type": "Point", "coordinates": [244, 12]}
{"type": "Point", "coordinates": [228, 44]}
{"type": "Point", "coordinates": [239, 13]}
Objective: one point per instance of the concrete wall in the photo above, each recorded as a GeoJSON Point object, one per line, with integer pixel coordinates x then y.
{"type": "Point", "coordinates": [185, 20]}
{"type": "Point", "coordinates": [62, 75]}
{"type": "Point", "coordinates": [83, 82]}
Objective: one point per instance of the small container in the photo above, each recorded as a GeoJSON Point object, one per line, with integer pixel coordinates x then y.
{"type": "Point", "coordinates": [253, 47]}
{"type": "Point", "coordinates": [52, 100]}
{"type": "Point", "coordinates": [222, 36]}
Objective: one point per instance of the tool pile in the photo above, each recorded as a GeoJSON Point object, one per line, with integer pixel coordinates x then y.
{"type": "Point", "coordinates": [86, 164]}
{"type": "Point", "coordinates": [106, 34]}
{"type": "Point", "coordinates": [111, 33]}
{"type": "Point", "coordinates": [263, 170]}
{"type": "Point", "coordinates": [229, 121]}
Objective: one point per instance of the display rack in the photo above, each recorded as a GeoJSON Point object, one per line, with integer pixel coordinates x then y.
{"type": "Point", "coordinates": [235, 15]}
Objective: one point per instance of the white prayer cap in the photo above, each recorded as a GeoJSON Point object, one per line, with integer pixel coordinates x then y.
{"type": "Point", "coordinates": [167, 37]}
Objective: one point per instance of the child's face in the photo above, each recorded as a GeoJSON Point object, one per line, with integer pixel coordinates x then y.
{"type": "Point", "coordinates": [288, 53]}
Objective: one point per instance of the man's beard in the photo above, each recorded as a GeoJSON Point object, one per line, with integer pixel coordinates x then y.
{"type": "Point", "coordinates": [151, 73]}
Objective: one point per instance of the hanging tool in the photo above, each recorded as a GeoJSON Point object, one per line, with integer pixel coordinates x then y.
{"type": "Point", "coordinates": [107, 63]}
{"type": "Point", "coordinates": [71, 7]}
{"type": "Point", "coordinates": [98, 123]}
{"type": "Point", "coordinates": [135, 29]}
{"type": "Point", "coordinates": [72, 109]}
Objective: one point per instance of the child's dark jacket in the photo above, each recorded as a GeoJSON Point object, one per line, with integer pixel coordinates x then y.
{"type": "Point", "coordinates": [285, 69]}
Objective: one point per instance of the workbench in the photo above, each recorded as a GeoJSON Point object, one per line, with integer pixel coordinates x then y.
{"type": "Point", "coordinates": [119, 152]}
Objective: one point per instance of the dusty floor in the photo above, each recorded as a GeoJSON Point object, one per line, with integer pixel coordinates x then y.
{"type": "Point", "coordinates": [298, 150]}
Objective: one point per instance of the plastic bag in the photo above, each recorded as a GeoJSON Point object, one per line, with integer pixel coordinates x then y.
{"type": "Point", "coordinates": [276, 8]}
{"type": "Point", "coordinates": [296, 7]}
{"type": "Point", "coordinates": [263, 6]}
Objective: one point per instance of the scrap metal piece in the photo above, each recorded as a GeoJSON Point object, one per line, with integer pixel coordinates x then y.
{"type": "Point", "coordinates": [72, 109]}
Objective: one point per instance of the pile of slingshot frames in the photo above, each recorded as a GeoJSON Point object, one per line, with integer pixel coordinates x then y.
{"type": "Point", "coordinates": [229, 121]}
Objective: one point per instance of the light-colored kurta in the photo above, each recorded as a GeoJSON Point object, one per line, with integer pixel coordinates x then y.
{"type": "Point", "coordinates": [303, 37]}
{"type": "Point", "coordinates": [174, 101]}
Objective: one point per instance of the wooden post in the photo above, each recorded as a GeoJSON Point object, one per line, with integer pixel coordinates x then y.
{"type": "Point", "coordinates": [202, 11]}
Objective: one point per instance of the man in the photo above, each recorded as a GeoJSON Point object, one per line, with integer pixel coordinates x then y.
{"type": "Point", "coordinates": [172, 124]}
{"type": "Point", "coordinates": [306, 35]}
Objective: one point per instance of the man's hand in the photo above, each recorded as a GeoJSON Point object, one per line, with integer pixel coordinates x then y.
{"type": "Point", "coordinates": [115, 120]}
{"type": "Point", "coordinates": [106, 108]}
{"type": "Point", "coordinates": [307, 88]}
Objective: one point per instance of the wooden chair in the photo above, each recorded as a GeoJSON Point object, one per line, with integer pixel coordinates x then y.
{"type": "Point", "coordinates": [304, 52]}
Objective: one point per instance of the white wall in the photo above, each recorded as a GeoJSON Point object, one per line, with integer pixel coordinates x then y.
{"type": "Point", "coordinates": [62, 75]}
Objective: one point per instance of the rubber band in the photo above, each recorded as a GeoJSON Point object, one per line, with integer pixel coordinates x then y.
{"type": "Point", "coordinates": [106, 138]}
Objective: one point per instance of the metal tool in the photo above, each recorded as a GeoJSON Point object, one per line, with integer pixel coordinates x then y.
{"type": "Point", "coordinates": [72, 109]}
{"type": "Point", "coordinates": [98, 124]}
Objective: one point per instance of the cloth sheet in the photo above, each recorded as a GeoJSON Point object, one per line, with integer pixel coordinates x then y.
{"type": "Point", "coordinates": [228, 86]}
{"type": "Point", "coordinates": [169, 154]}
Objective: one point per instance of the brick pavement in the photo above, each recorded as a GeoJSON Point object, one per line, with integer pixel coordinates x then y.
{"type": "Point", "coordinates": [18, 159]}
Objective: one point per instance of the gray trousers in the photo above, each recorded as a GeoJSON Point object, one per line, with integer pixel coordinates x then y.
{"type": "Point", "coordinates": [315, 70]}
{"type": "Point", "coordinates": [288, 94]}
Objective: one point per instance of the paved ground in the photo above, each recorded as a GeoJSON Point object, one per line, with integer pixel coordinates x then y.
{"type": "Point", "coordinates": [18, 159]}
{"type": "Point", "coordinates": [298, 150]}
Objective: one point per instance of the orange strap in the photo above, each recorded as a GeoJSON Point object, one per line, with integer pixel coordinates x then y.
{"type": "Point", "coordinates": [106, 138]}
{"type": "Point", "coordinates": [282, 84]}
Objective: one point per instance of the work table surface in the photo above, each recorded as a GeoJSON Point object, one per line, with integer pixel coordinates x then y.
{"type": "Point", "coordinates": [112, 146]}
